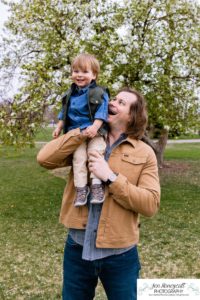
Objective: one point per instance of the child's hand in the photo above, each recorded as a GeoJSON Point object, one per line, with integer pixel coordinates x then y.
{"type": "Point", "coordinates": [91, 131]}
{"type": "Point", "coordinates": [56, 132]}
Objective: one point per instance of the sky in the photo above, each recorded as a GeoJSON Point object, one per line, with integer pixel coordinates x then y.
{"type": "Point", "coordinates": [3, 15]}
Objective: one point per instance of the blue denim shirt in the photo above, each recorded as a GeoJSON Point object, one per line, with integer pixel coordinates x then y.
{"type": "Point", "coordinates": [87, 237]}
{"type": "Point", "coordinates": [78, 114]}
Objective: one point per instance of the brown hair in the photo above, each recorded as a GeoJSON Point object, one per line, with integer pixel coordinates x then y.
{"type": "Point", "coordinates": [84, 60]}
{"type": "Point", "coordinates": [138, 111]}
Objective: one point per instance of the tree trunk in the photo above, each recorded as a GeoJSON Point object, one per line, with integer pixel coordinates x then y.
{"type": "Point", "coordinates": [159, 146]}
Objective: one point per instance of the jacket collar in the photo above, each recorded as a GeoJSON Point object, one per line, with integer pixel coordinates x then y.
{"type": "Point", "coordinates": [126, 138]}
{"type": "Point", "coordinates": [132, 141]}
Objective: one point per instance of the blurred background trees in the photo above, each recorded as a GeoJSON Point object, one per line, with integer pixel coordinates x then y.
{"type": "Point", "coordinates": [151, 45]}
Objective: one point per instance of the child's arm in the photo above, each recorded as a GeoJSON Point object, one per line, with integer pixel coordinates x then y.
{"type": "Point", "coordinates": [58, 129]}
{"type": "Point", "coordinates": [91, 131]}
{"type": "Point", "coordinates": [100, 116]}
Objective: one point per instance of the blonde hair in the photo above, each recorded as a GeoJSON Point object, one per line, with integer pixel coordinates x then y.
{"type": "Point", "coordinates": [85, 61]}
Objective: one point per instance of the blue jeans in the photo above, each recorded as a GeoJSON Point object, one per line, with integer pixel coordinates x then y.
{"type": "Point", "coordinates": [118, 274]}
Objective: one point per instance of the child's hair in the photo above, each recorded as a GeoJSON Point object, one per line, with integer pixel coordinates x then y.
{"type": "Point", "coordinates": [85, 61]}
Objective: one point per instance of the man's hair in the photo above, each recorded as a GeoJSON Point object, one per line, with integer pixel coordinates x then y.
{"type": "Point", "coordinates": [138, 111]}
{"type": "Point", "coordinates": [85, 61]}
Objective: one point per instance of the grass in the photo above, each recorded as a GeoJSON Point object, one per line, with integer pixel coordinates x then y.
{"type": "Point", "coordinates": [32, 240]}
{"type": "Point", "coordinates": [185, 152]}
{"type": "Point", "coordinates": [187, 136]}
{"type": "Point", "coordinates": [44, 134]}
{"type": "Point", "coordinates": [169, 244]}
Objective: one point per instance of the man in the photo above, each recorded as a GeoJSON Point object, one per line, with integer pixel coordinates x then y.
{"type": "Point", "coordinates": [102, 240]}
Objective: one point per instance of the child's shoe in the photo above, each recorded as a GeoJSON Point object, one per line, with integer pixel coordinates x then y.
{"type": "Point", "coordinates": [98, 193]}
{"type": "Point", "coordinates": [81, 196]}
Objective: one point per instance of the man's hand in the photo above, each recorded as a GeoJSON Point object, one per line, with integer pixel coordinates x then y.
{"type": "Point", "coordinates": [58, 129]}
{"type": "Point", "coordinates": [99, 166]}
{"type": "Point", "coordinates": [56, 132]}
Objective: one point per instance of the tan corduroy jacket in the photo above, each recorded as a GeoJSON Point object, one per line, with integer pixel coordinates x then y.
{"type": "Point", "coordinates": [135, 191]}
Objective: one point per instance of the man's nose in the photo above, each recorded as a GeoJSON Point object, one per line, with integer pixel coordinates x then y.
{"type": "Point", "coordinates": [112, 103]}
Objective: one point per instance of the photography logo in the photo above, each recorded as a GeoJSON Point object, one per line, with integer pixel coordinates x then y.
{"type": "Point", "coordinates": [168, 289]}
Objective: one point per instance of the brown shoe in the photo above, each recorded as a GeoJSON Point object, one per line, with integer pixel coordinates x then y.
{"type": "Point", "coordinates": [81, 196]}
{"type": "Point", "coordinates": [98, 193]}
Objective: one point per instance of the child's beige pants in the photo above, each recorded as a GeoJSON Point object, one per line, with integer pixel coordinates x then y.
{"type": "Point", "coordinates": [80, 158]}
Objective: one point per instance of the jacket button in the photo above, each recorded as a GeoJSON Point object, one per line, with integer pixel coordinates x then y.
{"type": "Point", "coordinates": [84, 225]}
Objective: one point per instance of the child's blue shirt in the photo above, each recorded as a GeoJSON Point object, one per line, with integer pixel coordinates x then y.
{"type": "Point", "coordinates": [78, 113]}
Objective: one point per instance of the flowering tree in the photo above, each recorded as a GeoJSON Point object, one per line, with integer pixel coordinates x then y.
{"type": "Point", "coordinates": [151, 45]}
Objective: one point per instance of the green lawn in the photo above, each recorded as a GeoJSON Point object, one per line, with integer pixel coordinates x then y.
{"type": "Point", "coordinates": [170, 244]}
{"type": "Point", "coordinates": [184, 152]}
{"type": "Point", "coordinates": [44, 134]}
{"type": "Point", "coordinates": [32, 240]}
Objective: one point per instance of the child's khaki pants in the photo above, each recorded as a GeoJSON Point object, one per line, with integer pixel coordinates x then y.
{"type": "Point", "coordinates": [80, 158]}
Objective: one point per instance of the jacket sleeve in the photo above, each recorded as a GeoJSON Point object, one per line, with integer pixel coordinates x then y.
{"type": "Point", "coordinates": [58, 152]}
{"type": "Point", "coordinates": [143, 198]}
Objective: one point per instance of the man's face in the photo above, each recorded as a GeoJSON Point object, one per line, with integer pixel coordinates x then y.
{"type": "Point", "coordinates": [82, 78]}
{"type": "Point", "coordinates": [119, 109]}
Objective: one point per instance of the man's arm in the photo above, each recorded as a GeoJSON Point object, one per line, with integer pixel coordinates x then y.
{"type": "Point", "coordinates": [58, 129]}
{"type": "Point", "coordinates": [143, 198]}
{"type": "Point", "coordinates": [58, 152]}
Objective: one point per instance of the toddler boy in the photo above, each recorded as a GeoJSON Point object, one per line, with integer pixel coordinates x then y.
{"type": "Point", "coordinates": [85, 105]}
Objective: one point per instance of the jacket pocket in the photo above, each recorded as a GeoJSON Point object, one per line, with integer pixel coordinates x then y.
{"type": "Point", "coordinates": [132, 166]}
{"type": "Point", "coordinates": [133, 160]}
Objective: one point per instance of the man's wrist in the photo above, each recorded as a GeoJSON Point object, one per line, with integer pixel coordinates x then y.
{"type": "Point", "coordinates": [111, 178]}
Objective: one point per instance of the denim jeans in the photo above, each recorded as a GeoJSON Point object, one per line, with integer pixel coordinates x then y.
{"type": "Point", "coordinates": [118, 274]}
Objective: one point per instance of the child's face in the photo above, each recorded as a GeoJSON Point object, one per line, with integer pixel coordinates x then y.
{"type": "Point", "coordinates": [81, 77]}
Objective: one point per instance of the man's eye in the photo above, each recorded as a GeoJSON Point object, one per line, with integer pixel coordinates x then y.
{"type": "Point", "coordinates": [121, 102]}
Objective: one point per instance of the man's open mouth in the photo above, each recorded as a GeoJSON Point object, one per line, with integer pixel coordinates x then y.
{"type": "Point", "coordinates": [111, 111]}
